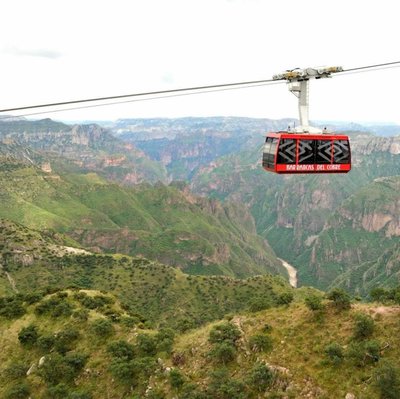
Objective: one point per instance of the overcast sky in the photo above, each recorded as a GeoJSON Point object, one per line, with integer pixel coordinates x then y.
{"type": "Point", "coordinates": [60, 50]}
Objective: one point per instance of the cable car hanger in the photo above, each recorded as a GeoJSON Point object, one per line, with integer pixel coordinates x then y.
{"type": "Point", "coordinates": [298, 83]}
{"type": "Point", "coordinates": [306, 149]}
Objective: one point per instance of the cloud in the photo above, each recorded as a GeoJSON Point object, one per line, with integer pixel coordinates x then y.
{"type": "Point", "coordinates": [42, 53]}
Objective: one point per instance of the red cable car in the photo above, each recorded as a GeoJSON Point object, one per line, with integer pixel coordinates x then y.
{"type": "Point", "coordinates": [286, 152]}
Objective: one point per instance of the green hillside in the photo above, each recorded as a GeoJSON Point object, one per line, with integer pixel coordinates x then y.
{"type": "Point", "coordinates": [165, 223]}
{"type": "Point", "coordinates": [85, 344]}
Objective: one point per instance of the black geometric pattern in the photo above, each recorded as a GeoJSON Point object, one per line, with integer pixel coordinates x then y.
{"type": "Point", "coordinates": [306, 151]}
{"type": "Point", "coordinates": [287, 151]}
{"type": "Point", "coordinates": [324, 151]}
{"type": "Point", "coordinates": [341, 153]}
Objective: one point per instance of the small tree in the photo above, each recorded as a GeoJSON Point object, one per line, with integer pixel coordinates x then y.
{"type": "Point", "coordinates": [176, 379]}
{"type": "Point", "coordinates": [28, 335]}
{"type": "Point", "coordinates": [121, 350]}
{"type": "Point", "coordinates": [262, 377]}
{"type": "Point", "coordinates": [340, 298]}
{"type": "Point", "coordinates": [364, 326]}
{"type": "Point", "coordinates": [223, 352]}
{"type": "Point", "coordinates": [146, 345]}
{"type": "Point", "coordinates": [285, 299]}
{"type": "Point", "coordinates": [334, 351]}
{"type": "Point", "coordinates": [102, 328]}
{"type": "Point", "coordinates": [225, 332]}
{"type": "Point", "coordinates": [314, 302]}
{"type": "Point", "coordinates": [260, 343]}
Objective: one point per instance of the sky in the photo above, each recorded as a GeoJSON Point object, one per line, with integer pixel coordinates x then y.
{"type": "Point", "coordinates": [52, 51]}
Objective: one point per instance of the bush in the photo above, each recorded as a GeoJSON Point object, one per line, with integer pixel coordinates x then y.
{"type": "Point", "coordinates": [123, 370]}
{"type": "Point", "coordinates": [28, 335]}
{"type": "Point", "coordinates": [379, 294]}
{"type": "Point", "coordinates": [224, 333]}
{"type": "Point", "coordinates": [11, 307]}
{"type": "Point", "coordinates": [146, 345]}
{"type": "Point", "coordinates": [223, 387]}
{"type": "Point", "coordinates": [334, 351]}
{"type": "Point", "coordinates": [340, 298]}
{"type": "Point", "coordinates": [258, 304]}
{"type": "Point", "coordinates": [364, 326]}
{"type": "Point", "coordinates": [20, 391]}
{"type": "Point", "coordinates": [260, 343]}
{"type": "Point", "coordinates": [65, 339]}
{"type": "Point", "coordinates": [314, 302]}
{"type": "Point", "coordinates": [46, 342]}
{"type": "Point", "coordinates": [81, 315]}
{"type": "Point", "coordinates": [15, 371]}
{"type": "Point", "coordinates": [387, 380]}
{"type": "Point", "coordinates": [165, 340]}
{"type": "Point", "coordinates": [285, 299]}
{"type": "Point", "coordinates": [57, 369]}
{"type": "Point", "coordinates": [176, 379]}
{"type": "Point", "coordinates": [59, 391]}
{"type": "Point", "coordinates": [102, 328]}
{"type": "Point", "coordinates": [223, 352]}
{"type": "Point", "coordinates": [121, 350]}
{"type": "Point", "coordinates": [365, 352]}
{"type": "Point", "coordinates": [262, 377]}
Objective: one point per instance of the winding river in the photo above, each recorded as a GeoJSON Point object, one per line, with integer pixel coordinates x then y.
{"type": "Point", "coordinates": [291, 271]}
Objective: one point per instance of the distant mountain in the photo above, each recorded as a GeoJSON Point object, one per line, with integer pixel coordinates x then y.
{"type": "Point", "coordinates": [183, 145]}
{"type": "Point", "coordinates": [79, 148]}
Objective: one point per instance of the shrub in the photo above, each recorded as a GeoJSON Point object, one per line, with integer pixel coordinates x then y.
{"type": "Point", "coordinates": [387, 380]}
{"type": "Point", "coordinates": [364, 352]}
{"type": "Point", "coordinates": [224, 333]}
{"type": "Point", "coordinates": [28, 335]}
{"type": "Point", "coordinates": [223, 352]}
{"type": "Point", "coordinates": [223, 387]}
{"type": "Point", "coordinates": [11, 307]}
{"type": "Point", "coordinates": [20, 391]}
{"type": "Point", "coordinates": [262, 377]}
{"type": "Point", "coordinates": [102, 328]}
{"type": "Point", "coordinates": [364, 326]}
{"type": "Point", "coordinates": [146, 344]}
{"type": "Point", "coordinates": [81, 315]}
{"type": "Point", "coordinates": [123, 370]}
{"type": "Point", "coordinates": [46, 342]}
{"type": "Point", "coordinates": [65, 339]}
{"type": "Point", "coordinates": [176, 379]}
{"type": "Point", "coordinates": [165, 340]}
{"type": "Point", "coordinates": [314, 302]}
{"type": "Point", "coordinates": [258, 304]}
{"type": "Point", "coordinates": [340, 298]}
{"type": "Point", "coordinates": [121, 350]}
{"type": "Point", "coordinates": [285, 299]}
{"type": "Point", "coordinates": [334, 351]}
{"type": "Point", "coordinates": [15, 371]}
{"type": "Point", "coordinates": [379, 294]}
{"type": "Point", "coordinates": [57, 368]}
{"type": "Point", "coordinates": [260, 343]}
{"type": "Point", "coordinates": [59, 391]}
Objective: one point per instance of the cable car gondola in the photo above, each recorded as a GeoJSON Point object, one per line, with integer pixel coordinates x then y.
{"type": "Point", "coordinates": [306, 149]}
{"type": "Point", "coordinates": [286, 152]}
